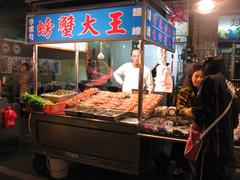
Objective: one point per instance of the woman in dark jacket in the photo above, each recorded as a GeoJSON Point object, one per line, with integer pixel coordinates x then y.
{"type": "Point", "coordinates": [212, 99]}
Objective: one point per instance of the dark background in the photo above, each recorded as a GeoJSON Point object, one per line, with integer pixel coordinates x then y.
{"type": "Point", "coordinates": [12, 21]}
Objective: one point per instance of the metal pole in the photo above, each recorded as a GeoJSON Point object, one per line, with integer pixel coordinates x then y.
{"type": "Point", "coordinates": [141, 69]}
{"type": "Point", "coordinates": [35, 69]}
{"type": "Point", "coordinates": [76, 65]}
{"type": "Point", "coordinates": [140, 82]}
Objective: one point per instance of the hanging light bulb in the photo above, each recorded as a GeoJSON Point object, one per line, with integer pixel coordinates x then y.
{"type": "Point", "coordinates": [205, 6]}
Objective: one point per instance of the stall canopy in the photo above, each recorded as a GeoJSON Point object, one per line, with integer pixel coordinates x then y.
{"type": "Point", "coordinates": [130, 22]}
{"type": "Point", "coordinates": [137, 20]}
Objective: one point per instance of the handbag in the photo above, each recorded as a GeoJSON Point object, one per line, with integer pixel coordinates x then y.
{"type": "Point", "coordinates": [194, 141]}
{"type": "Point", "coordinates": [193, 145]}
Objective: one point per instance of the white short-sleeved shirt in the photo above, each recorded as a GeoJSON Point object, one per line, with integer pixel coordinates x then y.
{"type": "Point", "coordinates": [127, 76]}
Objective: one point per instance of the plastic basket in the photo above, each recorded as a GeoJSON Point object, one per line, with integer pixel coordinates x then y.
{"type": "Point", "coordinates": [57, 108]}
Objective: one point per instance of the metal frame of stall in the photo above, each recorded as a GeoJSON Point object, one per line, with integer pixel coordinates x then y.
{"type": "Point", "coordinates": [48, 128]}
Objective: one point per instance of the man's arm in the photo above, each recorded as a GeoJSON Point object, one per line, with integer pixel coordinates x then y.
{"type": "Point", "coordinates": [118, 73]}
{"type": "Point", "coordinates": [149, 81]}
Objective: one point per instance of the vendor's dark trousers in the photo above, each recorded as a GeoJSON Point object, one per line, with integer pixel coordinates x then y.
{"type": "Point", "coordinates": [213, 168]}
{"type": "Point", "coordinates": [177, 154]}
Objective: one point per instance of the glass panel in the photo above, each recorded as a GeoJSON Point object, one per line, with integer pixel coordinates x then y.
{"type": "Point", "coordinates": [108, 75]}
{"type": "Point", "coordinates": [55, 69]}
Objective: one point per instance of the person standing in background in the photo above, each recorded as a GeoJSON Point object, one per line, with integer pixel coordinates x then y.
{"type": "Point", "coordinates": [25, 79]}
{"type": "Point", "coordinates": [130, 72]}
{"type": "Point", "coordinates": [212, 100]}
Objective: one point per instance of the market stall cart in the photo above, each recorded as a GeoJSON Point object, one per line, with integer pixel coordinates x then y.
{"type": "Point", "coordinates": [108, 139]}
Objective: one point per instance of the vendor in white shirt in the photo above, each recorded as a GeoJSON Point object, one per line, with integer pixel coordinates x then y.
{"type": "Point", "coordinates": [127, 75]}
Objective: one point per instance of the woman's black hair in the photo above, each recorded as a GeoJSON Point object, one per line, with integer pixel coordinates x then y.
{"type": "Point", "coordinates": [27, 65]}
{"type": "Point", "coordinates": [214, 65]}
{"type": "Point", "coordinates": [188, 79]}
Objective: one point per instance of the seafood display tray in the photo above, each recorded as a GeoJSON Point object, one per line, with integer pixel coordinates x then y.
{"type": "Point", "coordinates": [103, 114]}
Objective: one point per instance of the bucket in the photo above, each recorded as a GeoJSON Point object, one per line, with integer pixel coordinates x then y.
{"type": "Point", "coordinates": [58, 168]}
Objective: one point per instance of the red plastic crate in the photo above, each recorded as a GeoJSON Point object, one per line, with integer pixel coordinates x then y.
{"type": "Point", "coordinates": [57, 108]}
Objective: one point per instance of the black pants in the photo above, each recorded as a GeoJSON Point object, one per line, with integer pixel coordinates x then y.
{"type": "Point", "coordinates": [177, 154]}
{"type": "Point", "coordinates": [213, 168]}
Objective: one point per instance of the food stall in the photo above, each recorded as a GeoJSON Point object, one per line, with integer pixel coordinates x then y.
{"type": "Point", "coordinates": [100, 128]}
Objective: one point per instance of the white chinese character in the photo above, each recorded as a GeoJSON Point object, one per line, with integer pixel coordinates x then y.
{"type": "Point", "coordinates": [148, 31]}
{"type": "Point", "coordinates": [149, 14]}
{"type": "Point", "coordinates": [137, 12]}
{"type": "Point", "coordinates": [136, 31]}
{"type": "Point", "coordinates": [31, 29]}
{"type": "Point", "coordinates": [30, 21]}
{"type": "Point", "coordinates": [30, 37]}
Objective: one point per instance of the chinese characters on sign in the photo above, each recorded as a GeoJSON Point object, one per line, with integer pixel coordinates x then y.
{"type": "Point", "coordinates": [45, 29]}
{"type": "Point", "coordinates": [66, 24]}
{"type": "Point", "coordinates": [81, 25]}
{"type": "Point", "coordinates": [159, 30]}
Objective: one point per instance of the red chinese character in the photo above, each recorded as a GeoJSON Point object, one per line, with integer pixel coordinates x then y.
{"type": "Point", "coordinates": [115, 23]}
{"type": "Point", "coordinates": [66, 24]}
{"type": "Point", "coordinates": [165, 40]}
{"type": "Point", "coordinates": [45, 29]}
{"type": "Point", "coordinates": [160, 36]}
{"type": "Point", "coordinates": [48, 28]}
{"type": "Point", "coordinates": [154, 33]}
{"type": "Point", "coordinates": [41, 28]}
{"type": "Point", "coordinates": [160, 24]}
{"type": "Point", "coordinates": [155, 19]}
{"type": "Point", "coordinates": [88, 25]}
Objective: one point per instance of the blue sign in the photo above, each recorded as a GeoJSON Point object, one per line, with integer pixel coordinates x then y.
{"type": "Point", "coordinates": [119, 22]}
{"type": "Point", "coordinates": [159, 30]}
{"type": "Point", "coordinates": [229, 28]}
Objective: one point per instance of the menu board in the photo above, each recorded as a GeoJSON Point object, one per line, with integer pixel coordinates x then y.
{"type": "Point", "coordinates": [117, 22]}
{"type": "Point", "coordinates": [159, 30]}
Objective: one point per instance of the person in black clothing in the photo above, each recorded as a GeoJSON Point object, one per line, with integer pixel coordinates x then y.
{"type": "Point", "coordinates": [212, 99]}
